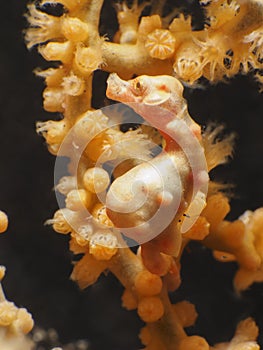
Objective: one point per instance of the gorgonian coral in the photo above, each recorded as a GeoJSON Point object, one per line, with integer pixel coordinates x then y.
{"type": "Point", "coordinates": [15, 322]}
{"type": "Point", "coordinates": [120, 178]}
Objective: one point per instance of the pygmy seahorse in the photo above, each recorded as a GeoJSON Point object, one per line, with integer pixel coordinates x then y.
{"type": "Point", "coordinates": [159, 100]}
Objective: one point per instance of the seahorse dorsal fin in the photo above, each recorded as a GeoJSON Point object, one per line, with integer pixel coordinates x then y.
{"type": "Point", "coordinates": [193, 212]}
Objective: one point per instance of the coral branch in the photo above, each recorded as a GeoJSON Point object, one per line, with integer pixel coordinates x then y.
{"type": "Point", "coordinates": [120, 59]}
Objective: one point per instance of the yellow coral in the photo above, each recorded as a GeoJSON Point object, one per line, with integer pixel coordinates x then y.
{"type": "Point", "coordinates": [245, 276]}
{"type": "Point", "coordinates": [96, 179]}
{"type": "Point", "coordinates": [244, 338]}
{"type": "Point", "coordinates": [150, 309]}
{"type": "Point", "coordinates": [8, 313]}
{"type": "Point", "coordinates": [15, 324]}
{"type": "Point", "coordinates": [87, 270]}
{"type": "Point", "coordinates": [44, 27]}
{"type": "Point", "coordinates": [147, 283]}
{"type": "Point", "coordinates": [3, 222]}
{"type": "Point", "coordinates": [128, 300]}
{"type": "Point", "coordinates": [128, 19]}
{"type": "Point", "coordinates": [188, 62]}
{"type": "Point", "coordinates": [230, 41]}
{"type": "Point", "coordinates": [194, 343]}
{"type": "Point", "coordinates": [103, 245]}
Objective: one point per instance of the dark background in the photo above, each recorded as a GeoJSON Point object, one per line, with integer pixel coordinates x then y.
{"type": "Point", "coordinates": [37, 259]}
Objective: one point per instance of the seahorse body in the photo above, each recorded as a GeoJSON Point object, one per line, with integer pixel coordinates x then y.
{"type": "Point", "coordinates": [159, 100]}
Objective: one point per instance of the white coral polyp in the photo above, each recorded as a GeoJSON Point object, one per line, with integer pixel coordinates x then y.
{"type": "Point", "coordinates": [44, 27]}
{"type": "Point", "coordinates": [160, 44]}
{"type": "Point", "coordinates": [90, 124]}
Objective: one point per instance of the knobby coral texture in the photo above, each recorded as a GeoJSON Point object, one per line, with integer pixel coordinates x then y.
{"type": "Point", "coordinates": [135, 179]}
{"type": "Point", "coordinates": [15, 322]}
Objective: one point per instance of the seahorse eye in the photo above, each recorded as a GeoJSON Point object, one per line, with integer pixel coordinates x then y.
{"type": "Point", "coordinates": [138, 85]}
